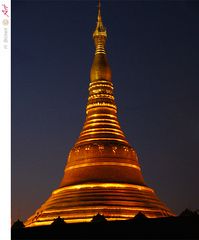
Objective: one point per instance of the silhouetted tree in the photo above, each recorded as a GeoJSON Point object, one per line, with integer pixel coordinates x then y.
{"type": "Point", "coordinates": [58, 222]}
{"type": "Point", "coordinates": [140, 216]}
{"type": "Point", "coordinates": [188, 213]}
{"type": "Point", "coordinates": [99, 218]}
{"type": "Point", "coordinates": [18, 224]}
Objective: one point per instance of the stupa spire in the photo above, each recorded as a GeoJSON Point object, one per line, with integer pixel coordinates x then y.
{"type": "Point", "coordinates": [99, 11]}
{"type": "Point", "coordinates": [100, 33]}
{"type": "Point", "coordinates": [101, 112]}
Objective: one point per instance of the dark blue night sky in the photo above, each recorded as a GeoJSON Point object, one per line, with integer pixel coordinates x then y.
{"type": "Point", "coordinates": [153, 50]}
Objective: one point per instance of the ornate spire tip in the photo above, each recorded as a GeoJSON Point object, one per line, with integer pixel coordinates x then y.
{"type": "Point", "coordinates": [99, 10]}
{"type": "Point", "coordinates": [100, 29]}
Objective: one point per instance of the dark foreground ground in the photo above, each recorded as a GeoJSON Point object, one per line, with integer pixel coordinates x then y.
{"type": "Point", "coordinates": [140, 228]}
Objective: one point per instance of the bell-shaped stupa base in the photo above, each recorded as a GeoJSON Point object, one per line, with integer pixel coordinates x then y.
{"type": "Point", "coordinates": [115, 201]}
{"type": "Point", "coordinates": [102, 177]}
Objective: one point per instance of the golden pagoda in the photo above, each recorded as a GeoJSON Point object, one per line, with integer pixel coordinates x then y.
{"type": "Point", "coordinates": [102, 174]}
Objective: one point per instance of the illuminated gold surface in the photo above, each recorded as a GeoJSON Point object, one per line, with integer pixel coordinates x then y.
{"type": "Point", "coordinates": [116, 201]}
{"type": "Point", "coordinates": [103, 164]}
{"type": "Point", "coordinates": [102, 174]}
{"type": "Point", "coordinates": [103, 185]}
